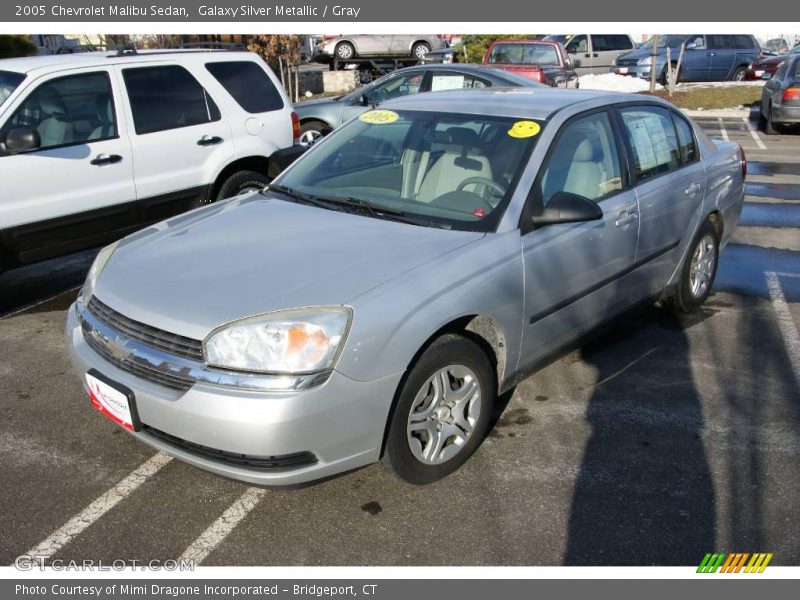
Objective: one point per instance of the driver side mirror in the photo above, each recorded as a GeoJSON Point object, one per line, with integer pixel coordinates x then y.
{"type": "Point", "coordinates": [22, 140]}
{"type": "Point", "coordinates": [566, 207]}
{"type": "Point", "coordinates": [691, 46]}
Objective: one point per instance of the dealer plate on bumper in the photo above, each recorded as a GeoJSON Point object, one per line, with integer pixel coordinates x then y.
{"type": "Point", "coordinates": [113, 399]}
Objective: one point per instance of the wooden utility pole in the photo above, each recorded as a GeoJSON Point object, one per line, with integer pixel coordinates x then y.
{"type": "Point", "coordinates": [653, 63]}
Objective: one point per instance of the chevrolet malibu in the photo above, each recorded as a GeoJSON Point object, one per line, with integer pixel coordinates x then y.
{"type": "Point", "coordinates": [372, 303]}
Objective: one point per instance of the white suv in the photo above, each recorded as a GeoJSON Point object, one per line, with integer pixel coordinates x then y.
{"type": "Point", "coordinates": [96, 145]}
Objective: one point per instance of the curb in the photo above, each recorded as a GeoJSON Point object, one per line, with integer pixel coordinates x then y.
{"type": "Point", "coordinates": [725, 113]}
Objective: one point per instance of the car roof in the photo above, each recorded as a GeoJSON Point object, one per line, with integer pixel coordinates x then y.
{"type": "Point", "coordinates": [59, 62]}
{"type": "Point", "coordinates": [532, 103]}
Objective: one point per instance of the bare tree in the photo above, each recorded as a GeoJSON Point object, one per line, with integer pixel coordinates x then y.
{"type": "Point", "coordinates": [282, 53]}
{"type": "Point", "coordinates": [673, 72]}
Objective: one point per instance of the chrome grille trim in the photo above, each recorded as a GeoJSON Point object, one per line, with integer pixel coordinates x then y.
{"type": "Point", "coordinates": [152, 336]}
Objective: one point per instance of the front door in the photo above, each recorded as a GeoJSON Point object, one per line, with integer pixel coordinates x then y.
{"type": "Point", "coordinates": [76, 190]}
{"type": "Point", "coordinates": [579, 274]}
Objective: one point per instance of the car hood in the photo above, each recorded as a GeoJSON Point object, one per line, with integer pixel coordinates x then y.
{"type": "Point", "coordinates": [316, 102]}
{"type": "Point", "coordinates": [257, 254]}
{"type": "Point", "coordinates": [640, 53]}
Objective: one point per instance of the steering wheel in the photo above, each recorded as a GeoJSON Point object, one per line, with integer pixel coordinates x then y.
{"type": "Point", "coordinates": [485, 182]}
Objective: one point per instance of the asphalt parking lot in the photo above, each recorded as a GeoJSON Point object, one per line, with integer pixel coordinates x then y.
{"type": "Point", "coordinates": [662, 439]}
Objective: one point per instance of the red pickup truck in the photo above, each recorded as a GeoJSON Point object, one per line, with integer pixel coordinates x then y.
{"type": "Point", "coordinates": [542, 61]}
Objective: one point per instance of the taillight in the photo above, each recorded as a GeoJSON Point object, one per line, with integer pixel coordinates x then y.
{"type": "Point", "coordinates": [790, 94]}
{"type": "Point", "coordinates": [744, 163]}
{"type": "Point", "coordinates": [295, 127]}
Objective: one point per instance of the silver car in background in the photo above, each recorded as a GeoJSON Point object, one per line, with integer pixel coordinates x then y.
{"type": "Point", "coordinates": [349, 47]}
{"type": "Point", "coordinates": [372, 303]}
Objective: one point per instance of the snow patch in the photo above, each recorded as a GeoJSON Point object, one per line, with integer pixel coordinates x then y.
{"type": "Point", "coordinates": [611, 82]}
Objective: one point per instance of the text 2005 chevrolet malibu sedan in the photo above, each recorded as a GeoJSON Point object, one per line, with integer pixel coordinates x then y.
{"type": "Point", "coordinates": [372, 303]}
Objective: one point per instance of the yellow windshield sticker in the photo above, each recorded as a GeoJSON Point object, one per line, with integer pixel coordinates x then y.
{"type": "Point", "coordinates": [379, 117]}
{"type": "Point", "coordinates": [524, 129]}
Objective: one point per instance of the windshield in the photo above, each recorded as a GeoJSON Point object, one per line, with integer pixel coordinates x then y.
{"type": "Point", "coordinates": [524, 54]}
{"type": "Point", "coordinates": [8, 83]}
{"type": "Point", "coordinates": [432, 168]}
{"type": "Point", "coordinates": [673, 41]}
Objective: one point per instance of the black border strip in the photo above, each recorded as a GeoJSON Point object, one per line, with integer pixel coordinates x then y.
{"type": "Point", "coordinates": [603, 283]}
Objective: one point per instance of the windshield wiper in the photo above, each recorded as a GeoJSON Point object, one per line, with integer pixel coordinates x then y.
{"type": "Point", "coordinates": [379, 211]}
{"type": "Point", "coordinates": [296, 195]}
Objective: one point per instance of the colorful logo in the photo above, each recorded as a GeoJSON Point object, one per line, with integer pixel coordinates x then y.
{"type": "Point", "coordinates": [736, 562]}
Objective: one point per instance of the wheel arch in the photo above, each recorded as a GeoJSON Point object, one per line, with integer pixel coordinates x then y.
{"type": "Point", "coordinates": [259, 164]}
{"type": "Point", "coordinates": [316, 119]}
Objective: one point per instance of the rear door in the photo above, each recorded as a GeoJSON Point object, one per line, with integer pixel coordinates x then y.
{"type": "Point", "coordinates": [579, 274]}
{"type": "Point", "coordinates": [605, 48]}
{"type": "Point", "coordinates": [722, 54]}
{"type": "Point", "coordinates": [77, 189]}
{"type": "Point", "coordinates": [179, 137]}
{"type": "Point", "coordinates": [669, 183]}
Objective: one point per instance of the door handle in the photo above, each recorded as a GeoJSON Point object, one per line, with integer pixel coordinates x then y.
{"type": "Point", "coordinates": [209, 140]}
{"type": "Point", "coordinates": [711, 54]}
{"type": "Point", "coordinates": [587, 55]}
{"type": "Point", "coordinates": [595, 55]}
{"type": "Point", "coordinates": [692, 189]}
{"type": "Point", "coordinates": [105, 159]}
{"type": "Point", "coordinates": [625, 219]}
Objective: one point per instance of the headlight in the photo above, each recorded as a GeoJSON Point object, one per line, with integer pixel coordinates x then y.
{"type": "Point", "coordinates": [290, 341]}
{"type": "Point", "coordinates": [647, 60]}
{"type": "Point", "coordinates": [98, 265]}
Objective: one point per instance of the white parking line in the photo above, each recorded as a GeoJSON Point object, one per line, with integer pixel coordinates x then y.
{"type": "Point", "coordinates": [99, 507]}
{"type": "Point", "coordinates": [753, 133]}
{"type": "Point", "coordinates": [785, 321]}
{"type": "Point", "coordinates": [199, 549]}
{"type": "Point", "coordinates": [722, 130]}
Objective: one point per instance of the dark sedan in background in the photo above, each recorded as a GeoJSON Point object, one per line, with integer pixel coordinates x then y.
{"type": "Point", "coordinates": [319, 117]}
{"type": "Point", "coordinates": [780, 98]}
{"type": "Point", "coordinates": [766, 65]}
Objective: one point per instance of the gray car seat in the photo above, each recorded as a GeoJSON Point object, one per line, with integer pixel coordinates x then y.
{"type": "Point", "coordinates": [105, 115]}
{"type": "Point", "coordinates": [461, 160]}
{"type": "Point", "coordinates": [585, 173]}
{"type": "Point", "coordinates": [53, 128]}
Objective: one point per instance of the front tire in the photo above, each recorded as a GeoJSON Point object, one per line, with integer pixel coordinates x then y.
{"type": "Point", "coordinates": [345, 51]}
{"type": "Point", "coordinates": [311, 132]}
{"type": "Point", "coordinates": [442, 411]}
{"type": "Point", "coordinates": [420, 50]}
{"type": "Point", "coordinates": [698, 271]}
{"type": "Point", "coordinates": [242, 182]}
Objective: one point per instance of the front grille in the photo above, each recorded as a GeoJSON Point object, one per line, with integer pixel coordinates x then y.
{"type": "Point", "coordinates": [262, 463]}
{"type": "Point", "coordinates": [176, 382]}
{"type": "Point", "coordinates": [156, 338]}
{"type": "Point", "coordinates": [627, 62]}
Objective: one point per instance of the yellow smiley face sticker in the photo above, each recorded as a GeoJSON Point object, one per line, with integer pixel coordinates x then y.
{"type": "Point", "coordinates": [524, 129]}
{"type": "Point", "coordinates": [379, 117]}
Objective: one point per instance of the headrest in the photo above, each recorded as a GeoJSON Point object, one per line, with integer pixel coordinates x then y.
{"type": "Point", "coordinates": [51, 103]}
{"type": "Point", "coordinates": [102, 106]}
{"type": "Point", "coordinates": [584, 152]}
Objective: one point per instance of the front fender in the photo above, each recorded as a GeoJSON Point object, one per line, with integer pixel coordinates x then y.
{"type": "Point", "coordinates": [393, 321]}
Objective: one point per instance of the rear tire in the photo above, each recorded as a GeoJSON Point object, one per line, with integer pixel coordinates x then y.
{"type": "Point", "coordinates": [768, 126]}
{"type": "Point", "coordinates": [739, 73]}
{"type": "Point", "coordinates": [442, 411]}
{"type": "Point", "coordinates": [698, 271]}
{"type": "Point", "coordinates": [242, 182]}
{"type": "Point", "coordinates": [345, 51]}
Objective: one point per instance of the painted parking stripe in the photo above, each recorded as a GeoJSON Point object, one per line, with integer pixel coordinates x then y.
{"type": "Point", "coordinates": [786, 323]}
{"type": "Point", "coordinates": [99, 507]}
{"type": "Point", "coordinates": [753, 133]}
{"type": "Point", "coordinates": [723, 132]}
{"type": "Point", "coordinates": [199, 549]}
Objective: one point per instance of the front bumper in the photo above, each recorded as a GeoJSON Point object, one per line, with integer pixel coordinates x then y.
{"type": "Point", "coordinates": [786, 114]}
{"type": "Point", "coordinates": [632, 71]}
{"type": "Point", "coordinates": [340, 422]}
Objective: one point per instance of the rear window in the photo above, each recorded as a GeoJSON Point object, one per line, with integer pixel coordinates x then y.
{"type": "Point", "coordinates": [249, 85]}
{"type": "Point", "coordinates": [524, 54]}
{"type": "Point", "coordinates": [8, 83]}
{"type": "Point", "coordinates": [653, 140]}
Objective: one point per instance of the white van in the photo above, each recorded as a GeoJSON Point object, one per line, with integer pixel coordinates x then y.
{"type": "Point", "coordinates": [96, 145]}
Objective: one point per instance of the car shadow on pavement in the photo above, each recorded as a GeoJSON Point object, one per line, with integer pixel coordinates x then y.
{"type": "Point", "coordinates": [644, 493]}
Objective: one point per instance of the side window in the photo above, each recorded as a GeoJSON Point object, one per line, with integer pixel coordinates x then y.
{"type": "Point", "coordinates": [395, 87]}
{"type": "Point", "coordinates": [781, 71]}
{"type": "Point", "coordinates": [579, 43]}
{"type": "Point", "coordinates": [584, 161]}
{"type": "Point", "coordinates": [686, 142]}
{"type": "Point", "coordinates": [249, 85]}
{"type": "Point", "coordinates": [696, 41]}
{"type": "Point", "coordinates": [167, 97]}
{"type": "Point", "coordinates": [719, 42]}
{"type": "Point", "coordinates": [76, 109]}
{"type": "Point", "coordinates": [653, 140]}
{"type": "Point", "coordinates": [621, 42]}
{"type": "Point", "coordinates": [743, 42]}
{"type": "Point", "coordinates": [455, 81]}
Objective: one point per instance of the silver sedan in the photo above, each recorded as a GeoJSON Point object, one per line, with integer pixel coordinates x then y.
{"type": "Point", "coordinates": [372, 303]}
